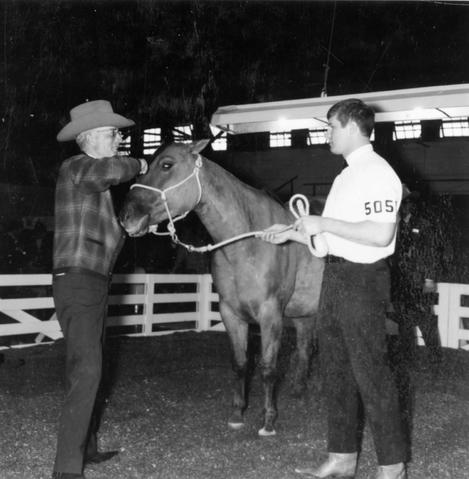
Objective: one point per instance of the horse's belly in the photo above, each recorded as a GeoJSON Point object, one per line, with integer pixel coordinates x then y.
{"type": "Point", "coordinates": [305, 298]}
{"type": "Point", "coordinates": [294, 282]}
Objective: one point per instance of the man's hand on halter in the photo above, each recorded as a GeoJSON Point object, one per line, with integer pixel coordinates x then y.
{"type": "Point", "coordinates": [143, 166]}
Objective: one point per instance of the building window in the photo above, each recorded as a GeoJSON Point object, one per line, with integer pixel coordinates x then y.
{"type": "Point", "coordinates": [182, 134]}
{"type": "Point", "coordinates": [317, 137]}
{"type": "Point", "coordinates": [454, 127]}
{"type": "Point", "coordinates": [405, 130]}
{"type": "Point", "coordinates": [220, 143]}
{"type": "Point", "coordinates": [280, 138]}
{"type": "Point", "coordinates": [151, 140]}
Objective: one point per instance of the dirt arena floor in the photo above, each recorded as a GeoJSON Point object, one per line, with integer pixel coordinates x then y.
{"type": "Point", "coordinates": [170, 399]}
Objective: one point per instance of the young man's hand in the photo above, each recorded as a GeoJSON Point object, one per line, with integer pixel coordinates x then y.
{"type": "Point", "coordinates": [276, 234]}
{"type": "Point", "coordinates": [309, 225]}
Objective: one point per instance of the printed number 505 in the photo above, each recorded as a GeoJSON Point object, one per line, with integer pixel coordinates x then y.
{"type": "Point", "coordinates": [379, 206]}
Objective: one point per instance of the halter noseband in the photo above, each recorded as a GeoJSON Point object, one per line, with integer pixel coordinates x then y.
{"type": "Point", "coordinates": [171, 227]}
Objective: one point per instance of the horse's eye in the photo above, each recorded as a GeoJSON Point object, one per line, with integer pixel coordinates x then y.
{"type": "Point", "coordinates": [166, 166]}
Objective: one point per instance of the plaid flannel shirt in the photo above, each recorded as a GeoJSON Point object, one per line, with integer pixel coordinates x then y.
{"type": "Point", "coordinates": [87, 233]}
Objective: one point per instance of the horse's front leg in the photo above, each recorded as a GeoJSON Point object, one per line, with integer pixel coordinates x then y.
{"type": "Point", "coordinates": [270, 321]}
{"type": "Point", "coordinates": [237, 330]}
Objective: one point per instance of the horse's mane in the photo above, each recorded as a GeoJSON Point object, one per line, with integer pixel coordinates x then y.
{"type": "Point", "coordinates": [272, 195]}
{"type": "Point", "coordinates": [316, 203]}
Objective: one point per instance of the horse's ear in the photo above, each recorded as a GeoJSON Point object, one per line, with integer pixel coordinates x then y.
{"type": "Point", "coordinates": [198, 146]}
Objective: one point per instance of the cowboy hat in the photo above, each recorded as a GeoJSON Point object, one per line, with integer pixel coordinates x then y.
{"type": "Point", "coordinates": [89, 115]}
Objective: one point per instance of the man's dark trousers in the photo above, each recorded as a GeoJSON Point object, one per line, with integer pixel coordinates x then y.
{"type": "Point", "coordinates": [81, 301]}
{"type": "Point", "coordinates": [353, 350]}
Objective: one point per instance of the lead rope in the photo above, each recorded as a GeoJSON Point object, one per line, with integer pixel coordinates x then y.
{"type": "Point", "coordinates": [298, 204]}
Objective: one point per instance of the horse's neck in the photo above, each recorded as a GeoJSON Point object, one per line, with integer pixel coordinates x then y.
{"type": "Point", "coordinates": [226, 202]}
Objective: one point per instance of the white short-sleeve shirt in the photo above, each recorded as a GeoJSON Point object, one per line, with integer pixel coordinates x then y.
{"type": "Point", "coordinates": [367, 189]}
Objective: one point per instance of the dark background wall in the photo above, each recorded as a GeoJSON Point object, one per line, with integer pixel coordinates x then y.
{"type": "Point", "coordinates": [168, 63]}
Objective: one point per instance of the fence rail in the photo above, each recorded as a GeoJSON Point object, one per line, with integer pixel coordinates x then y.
{"type": "Point", "coordinates": [157, 304]}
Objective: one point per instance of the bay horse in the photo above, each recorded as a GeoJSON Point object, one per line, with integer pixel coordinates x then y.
{"type": "Point", "coordinates": [256, 281]}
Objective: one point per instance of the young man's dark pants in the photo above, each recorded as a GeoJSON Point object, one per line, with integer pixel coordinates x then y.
{"type": "Point", "coordinates": [81, 301]}
{"type": "Point", "coordinates": [352, 342]}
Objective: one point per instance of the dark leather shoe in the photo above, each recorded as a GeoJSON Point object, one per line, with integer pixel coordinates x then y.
{"type": "Point", "coordinates": [99, 457]}
{"type": "Point", "coordinates": [67, 475]}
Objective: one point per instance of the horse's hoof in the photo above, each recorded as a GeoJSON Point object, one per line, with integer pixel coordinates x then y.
{"type": "Point", "coordinates": [235, 425]}
{"type": "Point", "coordinates": [265, 433]}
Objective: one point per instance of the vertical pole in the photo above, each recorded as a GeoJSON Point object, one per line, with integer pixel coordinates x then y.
{"type": "Point", "coordinates": [148, 305]}
{"type": "Point", "coordinates": [204, 307]}
{"type": "Point", "coordinates": [443, 311]}
{"type": "Point", "coordinates": [454, 314]}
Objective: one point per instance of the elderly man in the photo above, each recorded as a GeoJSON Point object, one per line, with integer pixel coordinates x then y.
{"type": "Point", "coordinates": [359, 226]}
{"type": "Point", "coordinates": [87, 240]}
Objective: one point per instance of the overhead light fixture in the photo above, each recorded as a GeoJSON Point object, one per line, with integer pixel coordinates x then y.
{"type": "Point", "coordinates": [437, 102]}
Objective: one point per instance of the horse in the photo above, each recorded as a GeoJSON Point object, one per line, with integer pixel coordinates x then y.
{"type": "Point", "coordinates": [257, 282]}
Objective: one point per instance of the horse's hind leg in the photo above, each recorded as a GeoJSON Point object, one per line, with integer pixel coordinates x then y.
{"type": "Point", "coordinates": [237, 331]}
{"type": "Point", "coordinates": [304, 328]}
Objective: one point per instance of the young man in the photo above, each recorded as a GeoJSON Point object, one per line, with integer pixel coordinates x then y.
{"type": "Point", "coordinates": [359, 226]}
{"type": "Point", "coordinates": [87, 240]}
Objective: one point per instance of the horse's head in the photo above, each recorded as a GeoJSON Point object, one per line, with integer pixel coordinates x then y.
{"type": "Point", "coordinates": [170, 187]}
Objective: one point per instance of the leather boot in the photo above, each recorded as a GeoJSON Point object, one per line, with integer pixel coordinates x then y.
{"type": "Point", "coordinates": [393, 471]}
{"type": "Point", "coordinates": [337, 465]}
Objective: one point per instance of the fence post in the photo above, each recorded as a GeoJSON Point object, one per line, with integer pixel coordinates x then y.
{"type": "Point", "coordinates": [454, 315]}
{"type": "Point", "coordinates": [204, 307]}
{"type": "Point", "coordinates": [442, 309]}
{"type": "Point", "coordinates": [148, 305]}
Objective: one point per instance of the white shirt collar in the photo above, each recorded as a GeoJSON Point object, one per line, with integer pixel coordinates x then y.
{"type": "Point", "coordinates": [359, 153]}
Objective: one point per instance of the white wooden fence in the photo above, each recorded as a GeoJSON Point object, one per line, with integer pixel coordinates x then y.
{"type": "Point", "coordinates": [453, 315]}
{"type": "Point", "coordinates": [139, 305]}
{"type": "Point", "coordinates": [156, 304]}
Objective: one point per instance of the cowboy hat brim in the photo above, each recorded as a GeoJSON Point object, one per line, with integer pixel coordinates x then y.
{"type": "Point", "coordinates": [94, 120]}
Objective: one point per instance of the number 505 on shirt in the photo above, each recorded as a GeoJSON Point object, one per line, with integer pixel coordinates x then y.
{"type": "Point", "coordinates": [380, 206]}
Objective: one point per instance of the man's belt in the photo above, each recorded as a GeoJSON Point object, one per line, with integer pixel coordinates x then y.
{"type": "Point", "coordinates": [330, 258]}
